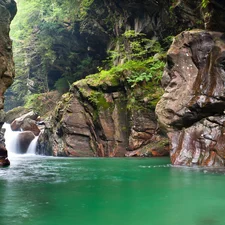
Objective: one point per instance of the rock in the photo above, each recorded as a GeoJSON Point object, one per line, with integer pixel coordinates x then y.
{"type": "Point", "coordinates": [29, 117]}
{"type": "Point", "coordinates": [30, 125]}
{"type": "Point", "coordinates": [3, 156]}
{"type": "Point", "coordinates": [7, 73]}
{"type": "Point", "coordinates": [95, 120]}
{"type": "Point", "coordinates": [24, 140]}
{"type": "Point", "coordinates": [15, 113]}
{"type": "Point", "coordinates": [192, 108]}
{"type": "Point", "coordinates": [157, 148]}
{"type": "Point", "coordinates": [3, 151]}
{"type": "Point", "coordinates": [4, 162]}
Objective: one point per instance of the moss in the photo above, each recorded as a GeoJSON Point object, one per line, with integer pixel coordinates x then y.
{"type": "Point", "coordinates": [99, 100]}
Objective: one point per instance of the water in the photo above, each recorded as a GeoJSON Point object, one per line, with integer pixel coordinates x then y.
{"type": "Point", "coordinates": [119, 191]}
{"type": "Point", "coordinates": [12, 142]}
{"type": "Point", "coordinates": [32, 147]}
{"type": "Point", "coordinates": [11, 139]}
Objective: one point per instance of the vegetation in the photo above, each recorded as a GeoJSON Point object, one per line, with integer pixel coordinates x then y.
{"type": "Point", "coordinates": [139, 67]}
{"type": "Point", "coordinates": [49, 54]}
{"type": "Point", "coordinates": [205, 3]}
{"type": "Point", "coordinates": [38, 32]}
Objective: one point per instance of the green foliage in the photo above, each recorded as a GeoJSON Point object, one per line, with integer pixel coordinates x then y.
{"type": "Point", "coordinates": [38, 27]}
{"type": "Point", "coordinates": [33, 102]}
{"type": "Point", "coordinates": [62, 85]}
{"type": "Point", "coordinates": [152, 73]}
{"type": "Point", "coordinates": [133, 46]}
{"type": "Point", "coordinates": [205, 3]}
{"type": "Point", "coordinates": [99, 100]}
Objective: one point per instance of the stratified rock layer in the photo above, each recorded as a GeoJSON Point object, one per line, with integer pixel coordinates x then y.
{"type": "Point", "coordinates": [192, 108]}
{"type": "Point", "coordinates": [98, 118]}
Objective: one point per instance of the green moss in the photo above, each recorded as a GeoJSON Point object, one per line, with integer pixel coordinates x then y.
{"type": "Point", "coordinates": [99, 100]}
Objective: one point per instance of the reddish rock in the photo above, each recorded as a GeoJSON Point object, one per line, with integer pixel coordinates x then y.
{"type": "Point", "coordinates": [15, 125]}
{"type": "Point", "coordinates": [192, 108]}
{"type": "Point", "coordinates": [26, 121]}
{"type": "Point", "coordinates": [30, 125]}
{"type": "Point", "coordinates": [4, 162]}
{"type": "Point", "coordinates": [154, 149]}
{"type": "Point", "coordinates": [3, 156]}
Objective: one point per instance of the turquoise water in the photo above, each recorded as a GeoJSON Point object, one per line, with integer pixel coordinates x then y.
{"type": "Point", "coordinates": [60, 191]}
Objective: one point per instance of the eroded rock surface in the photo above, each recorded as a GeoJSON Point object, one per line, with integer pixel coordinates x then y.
{"type": "Point", "coordinates": [98, 118]}
{"type": "Point", "coordinates": [7, 12]}
{"type": "Point", "coordinates": [192, 108]}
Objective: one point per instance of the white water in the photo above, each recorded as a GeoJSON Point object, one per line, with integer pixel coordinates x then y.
{"type": "Point", "coordinates": [12, 142]}
{"type": "Point", "coordinates": [32, 147]}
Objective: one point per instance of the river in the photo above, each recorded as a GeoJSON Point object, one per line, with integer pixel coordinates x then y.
{"type": "Point", "coordinates": [95, 191]}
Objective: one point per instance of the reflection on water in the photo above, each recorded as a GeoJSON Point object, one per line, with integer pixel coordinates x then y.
{"type": "Point", "coordinates": [83, 191]}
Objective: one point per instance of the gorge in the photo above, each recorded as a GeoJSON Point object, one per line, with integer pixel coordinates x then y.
{"type": "Point", "coordinates": [97, 94]}
{"type": "Point", "coordinates": [111, 113]}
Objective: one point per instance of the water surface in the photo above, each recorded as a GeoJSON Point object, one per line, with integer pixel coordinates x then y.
{"type": "Point", "coordinates": [58, 191]}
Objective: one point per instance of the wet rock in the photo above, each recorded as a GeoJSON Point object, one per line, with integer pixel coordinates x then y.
{"type": "Point", "coordinates": [192, 108]}
{"type": "Point", "coordinates": [24, 140]}
{"type": "Point", "coordinates": [3, 156]}
{"type": "Point", "coordinates": [4, 162]}
{"type": "Point", "coordinates": [156, 148]}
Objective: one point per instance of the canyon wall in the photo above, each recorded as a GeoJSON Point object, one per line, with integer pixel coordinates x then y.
{"type": "Point", "coordinates": [192, 107]}
{"type": "Point", "coordinates": [7, 12]}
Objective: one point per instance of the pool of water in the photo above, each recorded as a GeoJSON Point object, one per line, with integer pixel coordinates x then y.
{"type": "Point", "coordinates": [118, 191]}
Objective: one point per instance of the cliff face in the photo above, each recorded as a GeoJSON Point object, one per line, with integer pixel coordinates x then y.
{"type": "Point", "coordinates": [192, 108]}
{"type": "Point", "coordinates": [7, 12]}
{"type": "Point", "coordinates": [107, 116]}
{"type": "Point", "coordinates": [98, 118]}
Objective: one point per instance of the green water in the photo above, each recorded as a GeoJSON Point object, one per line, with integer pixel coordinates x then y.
{"type": "Point", "coordinates": [59, 191]}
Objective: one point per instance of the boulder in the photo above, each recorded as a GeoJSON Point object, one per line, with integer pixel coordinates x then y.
{"type": "Point", "coordinates": [17, 112]}
{"type": "Point", "coordinates": [24, 140]}
{"type": "Point", "coordinates": [193, 105]}
{"type": "Point", "coordinates": [4, 162]}
{"type": "Point", "coordinates": [30, 125]}
{"type": "Point", "coordinates": [3, 156]}
{"type": "Point", "coordinates": [26, 120]}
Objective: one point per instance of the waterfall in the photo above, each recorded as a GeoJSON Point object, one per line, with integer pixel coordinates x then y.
{"type": "Point", "coordinates": [32, 147]}
{"type": "Point", "coordinates": [11, 139]}
{"type": "Point", "coordinates": [12, 142]}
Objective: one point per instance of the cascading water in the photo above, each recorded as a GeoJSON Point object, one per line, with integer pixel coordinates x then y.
{"type": "Point", "coordinates": [32, 147]}
{"type": "Point", "coordinates": [12, 142]}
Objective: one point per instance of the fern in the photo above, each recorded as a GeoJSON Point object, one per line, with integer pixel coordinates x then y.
{"type": "Point", "coordinates": [205, 3]}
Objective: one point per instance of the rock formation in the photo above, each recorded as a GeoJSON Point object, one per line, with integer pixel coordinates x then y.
{"type": "Point", "coordinates": [97, 119]}
{"type": "Point", "coordinates": [193, 106]}
{"type": "Point", "coordinates": [7, 12]}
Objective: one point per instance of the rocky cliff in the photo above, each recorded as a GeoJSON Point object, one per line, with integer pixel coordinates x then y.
{"type": "Point", "coordinates": [104, 114]}
{"type": "Point", "coordinates": [100, 116]}
{"type": "Point", "coordinates": [192, 108]}
{"type": "Point", "coordinates": [7, 12]}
